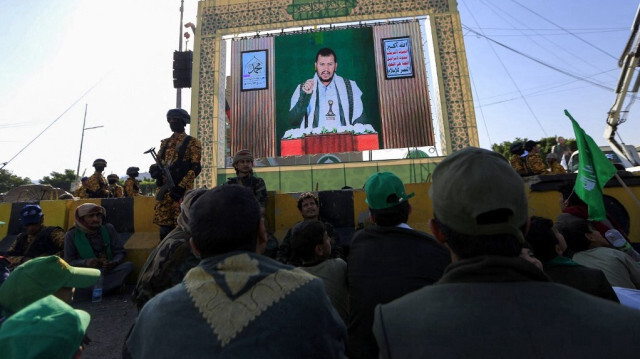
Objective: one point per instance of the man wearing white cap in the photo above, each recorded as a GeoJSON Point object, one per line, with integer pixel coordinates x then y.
{"type": "Point", "coordinates": [95, 244]}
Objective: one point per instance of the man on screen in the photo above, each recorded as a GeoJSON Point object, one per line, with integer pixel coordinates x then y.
{"type": "Point", "coordinates": [327, 100]}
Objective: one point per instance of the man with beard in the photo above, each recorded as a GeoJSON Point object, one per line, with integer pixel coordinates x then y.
{"type": "Point", "coordinates": [94, 244]}
{"type": "Point", "coordinates": [327, 100]}
{"type": "Point", "coordinates": [181, 154]}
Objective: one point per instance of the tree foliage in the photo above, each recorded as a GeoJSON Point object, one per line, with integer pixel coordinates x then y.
{"type": "Point", "coordinates": [60, 180]}
{"type": "Point", "coordinates": [545, 144]}
{"type": "Point", "coordinates": [148, 187]}
{"type": "Point", "coordinates": [8, 180]}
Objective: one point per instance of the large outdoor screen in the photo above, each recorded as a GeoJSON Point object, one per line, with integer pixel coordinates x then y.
{"type": "Point", "coordinates": [356, 93]}
{"type": "Point", "coordinates": [331, 92]}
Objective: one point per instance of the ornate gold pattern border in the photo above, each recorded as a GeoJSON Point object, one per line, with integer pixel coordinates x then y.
{"type": "Point", "coordinates": [224, 17]}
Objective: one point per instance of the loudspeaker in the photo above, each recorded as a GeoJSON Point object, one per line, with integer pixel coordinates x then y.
{"type": "Point", "coordinates": [182, 66]}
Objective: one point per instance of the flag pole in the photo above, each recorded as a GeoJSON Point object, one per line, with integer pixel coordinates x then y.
{"type": "Point", "coordinates": [635, 199]}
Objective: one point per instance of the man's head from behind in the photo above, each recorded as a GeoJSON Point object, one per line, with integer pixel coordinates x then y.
{"type": "Point", "coordinates": [531, 146]}
{"type": "Point", "coordinates": [544, 239]}
{"type": "Point", "coordinates": [479, 204]}
{"type": "Point", "coordinates": [189, 198]}
{"type": "Point", "coordinates": [387, 199]}
{"type": "Point", "coordinates": [47, 328]}
{"type": "Point", "coordinates": [309, 242]}
{"type": "Point", "coordinates": [326, 64]}
{"type": "Point", "coordinates": [579, 234]}
{"type": "Point", "coordinates": [224, 219]}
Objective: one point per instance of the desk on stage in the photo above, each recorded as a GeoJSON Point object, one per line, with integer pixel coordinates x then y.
{"type": "Point", "coordinates": [329, 143]}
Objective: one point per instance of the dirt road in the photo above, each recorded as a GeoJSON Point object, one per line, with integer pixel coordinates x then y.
{"type": "Point", "coordinates": [110, 323]}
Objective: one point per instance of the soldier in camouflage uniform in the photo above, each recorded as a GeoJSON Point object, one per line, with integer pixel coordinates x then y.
{"type": "Point", "coordinates": [132, 185]}
{"type": "Point", "coordinates": [81, 192]}
{"type": "Point", "coordinates": [181, 154]}
{"type": "Point", "coordinates": [115, 190]}
{"type": "Point", "coordinates": [97, 186]}
{"type": "Point", "coordinates": [534, 161]}
{"type": "Point", "coordinates": [243, 164]}
{"type": "Point", "coordinates": [168, 263]}
{"type": "Point", "coordinates": [37, 240]}
{"type": "Point", "coordinates": [554, 166]}
{"type": "Point", "coordinates": [517, 161]}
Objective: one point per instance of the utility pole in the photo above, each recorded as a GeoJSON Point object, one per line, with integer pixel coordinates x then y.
{"type": "Point", "coordinates": [179, 90]}
{"type": "Point", "coordinates": [84, 121]}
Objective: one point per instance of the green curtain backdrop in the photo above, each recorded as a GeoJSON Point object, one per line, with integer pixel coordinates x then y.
{"type": "Point", "coordinates": [294, 64]}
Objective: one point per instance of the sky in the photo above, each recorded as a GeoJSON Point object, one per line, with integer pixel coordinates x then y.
{"type": "Point", "coordinates": [115, 58]}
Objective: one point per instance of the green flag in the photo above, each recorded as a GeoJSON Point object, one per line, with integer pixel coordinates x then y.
{"type": "Point", "coordinates": [594, 170]}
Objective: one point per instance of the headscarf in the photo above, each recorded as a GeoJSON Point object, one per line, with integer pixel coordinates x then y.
{"type": "Point", "coordinates": [85, 209]}
{"type": "Point", "coordinates": [189, 198]}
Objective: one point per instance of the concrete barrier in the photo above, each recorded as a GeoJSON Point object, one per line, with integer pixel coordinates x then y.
{"type": "Point", "coordinates": [346, 210]}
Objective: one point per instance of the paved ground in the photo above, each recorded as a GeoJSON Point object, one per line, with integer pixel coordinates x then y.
{"type": "Point", "coordinates": [110, 323]}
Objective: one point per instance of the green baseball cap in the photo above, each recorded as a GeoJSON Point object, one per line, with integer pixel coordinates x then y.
{"type": "Point", "coordinates": [40, 277]}
{"type": "Point", "coordinates": [473, 182]}
{"type": "Point", "coordinates": [385, 190]}
{"type": "Point", "coordinates": [47, 328]}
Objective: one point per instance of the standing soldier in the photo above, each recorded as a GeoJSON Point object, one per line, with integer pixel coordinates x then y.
{"type": "Point", "coordinates": [132, 185]}
{"type": "Point", "coordinates": [554, 166]}
{"type": "Point", "coordinates": [517, 161]}
{"type": "Point", "coordinates": [115, 190]}
{"type": "Point", "coordinates": [97, 186]}
{"type": "Point", "coordinates": [81, 192]}
{"type": "Point", "coordinates": [243, 164]}
{"type": "Point", "coordinates": [181, 154]}
{"type": "Point", "coordinates": [534, 161]}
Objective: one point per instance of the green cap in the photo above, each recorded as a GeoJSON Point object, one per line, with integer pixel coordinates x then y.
{"type": "Point", "coordinates": [40, 277]}
{"type": "Point", "coordinates": [475, 181]}
{"type": "Point", "coordinates": [385, 190]}
{"type": "Point", "coordinates": [48, 328]}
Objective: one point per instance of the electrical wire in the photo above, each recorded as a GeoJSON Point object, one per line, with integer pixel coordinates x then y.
{"type": "Point", "coordinates": [51, 124]}
{"type": "Point", "coordinates": [498, 10]}
{"type": "Point", "coordinates": [504, 67]}
{"type": "Point", "coordinates": [566, 30]}
{"type": "Point", "coordinates": [565, 72]}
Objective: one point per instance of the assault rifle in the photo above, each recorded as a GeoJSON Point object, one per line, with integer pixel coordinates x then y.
{"type": "Point", "coordinates": [168, 183]}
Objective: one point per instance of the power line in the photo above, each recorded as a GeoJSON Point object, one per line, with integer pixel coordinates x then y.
{"type": "Point", "coordinates": [515, 84]}
{"type": "Point", "coordinates": [577, 77]}
{"type": "Point", "coordinates": [51, 124]}
{"type": "Point", "coordinates": [554, 53]}
{"type": "Point", "coordinates": [567, 31]}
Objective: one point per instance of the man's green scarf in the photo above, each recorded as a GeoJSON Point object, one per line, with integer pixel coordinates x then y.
{"type": "Point", "coordinates": [84, 247]}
